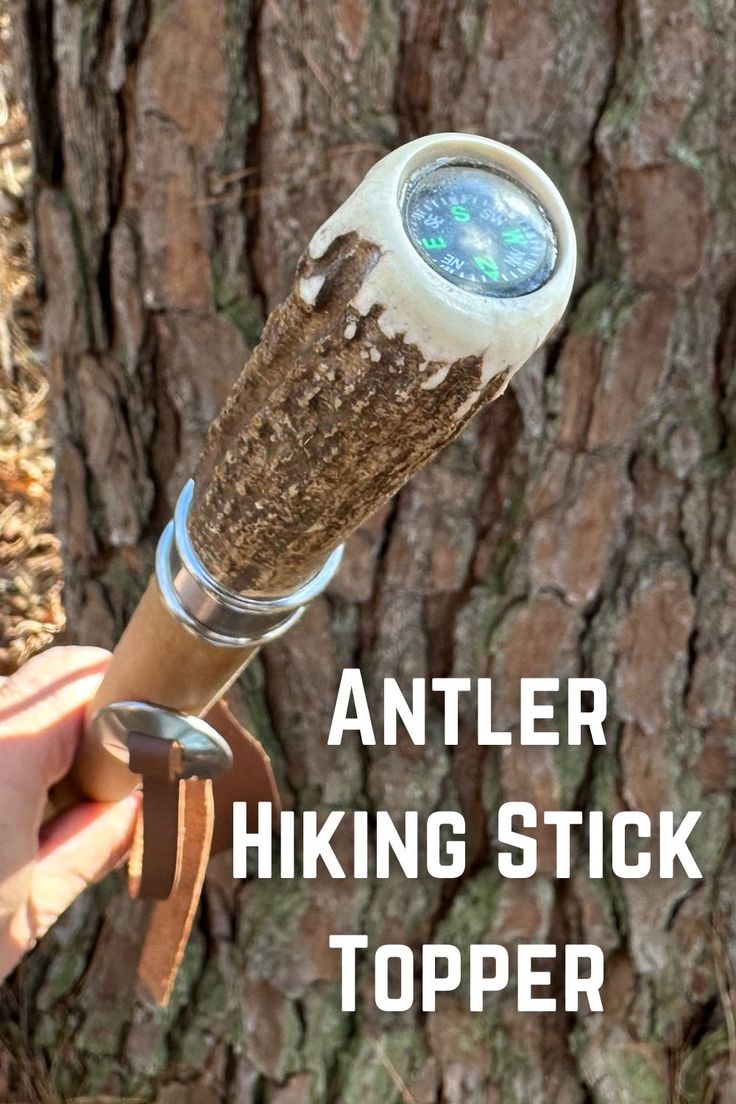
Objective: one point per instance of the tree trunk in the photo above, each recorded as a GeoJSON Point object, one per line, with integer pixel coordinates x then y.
{"type": "Point", "coordinates": [185, 152]}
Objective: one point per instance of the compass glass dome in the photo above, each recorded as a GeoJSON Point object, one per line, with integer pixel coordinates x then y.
{"type": "Point", "coordinates": [480, 229]}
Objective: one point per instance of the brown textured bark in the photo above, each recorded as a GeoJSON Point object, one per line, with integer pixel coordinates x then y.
{"type": "Point", "coordinates": [185, 153]}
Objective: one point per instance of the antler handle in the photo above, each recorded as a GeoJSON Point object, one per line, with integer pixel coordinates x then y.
{"type": "Point", "coordinates": [371, 365]}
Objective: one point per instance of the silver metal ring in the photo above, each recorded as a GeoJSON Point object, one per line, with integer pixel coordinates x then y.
{"type": "Point", "coordinates": [209, 609]}
{"type": "Point", "coordinates": [204, 753]}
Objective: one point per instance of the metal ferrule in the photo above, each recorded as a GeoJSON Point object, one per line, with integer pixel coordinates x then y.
{"type": "Point", "coordinates": [209, 609]}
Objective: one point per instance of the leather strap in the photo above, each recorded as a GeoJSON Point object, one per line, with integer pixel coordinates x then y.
{"type": "Point", "coordinates": [161, 823]}
{"type": "Point", "coordinates": [251, 778]}
{"type": "Point", "coordinates": [199, 816]}
{"type": "Point", "coordinates": [171, 921]}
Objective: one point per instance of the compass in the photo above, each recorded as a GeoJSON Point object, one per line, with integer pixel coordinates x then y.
{"type": "Point", "coordinates": [480, 229]}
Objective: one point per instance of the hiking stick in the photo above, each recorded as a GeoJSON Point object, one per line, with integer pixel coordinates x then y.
{"type": "Point", "coordinates": [413, 306]}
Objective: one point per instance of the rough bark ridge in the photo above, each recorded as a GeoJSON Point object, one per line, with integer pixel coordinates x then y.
{"type": "Point", "coordinates": [185, 154]}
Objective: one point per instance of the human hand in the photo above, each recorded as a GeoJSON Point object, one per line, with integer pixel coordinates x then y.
{"type": "Point", "coordinates": [44, 867]}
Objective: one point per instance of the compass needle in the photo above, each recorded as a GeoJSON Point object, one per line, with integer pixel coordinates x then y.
{"type": "Point", "coordinates": [488, 224]}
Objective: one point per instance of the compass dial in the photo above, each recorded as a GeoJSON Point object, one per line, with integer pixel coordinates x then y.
{"type": "Point", "coordinates": [480, 230]}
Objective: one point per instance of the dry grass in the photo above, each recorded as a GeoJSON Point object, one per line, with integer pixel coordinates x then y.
{"type": "Point", "coordinates": [30, 564]}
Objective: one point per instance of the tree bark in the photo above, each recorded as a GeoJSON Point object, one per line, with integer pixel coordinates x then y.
{"type": "Point", "coordinates": [185, 152]}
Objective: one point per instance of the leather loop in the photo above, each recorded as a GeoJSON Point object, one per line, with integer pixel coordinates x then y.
{"type": "Point", "coordinates": [155, 861]}
{"type": "Point", "coordinates": [200, 816]}
{"type": "Point", "coordinates": [171, 920]}
{"type": "Point", "coordinates": [251, 778]}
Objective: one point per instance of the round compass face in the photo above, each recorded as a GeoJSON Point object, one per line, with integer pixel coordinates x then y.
{"type": "Point", "coordinates": [480, 230]}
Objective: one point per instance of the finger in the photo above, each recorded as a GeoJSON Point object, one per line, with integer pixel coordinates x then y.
{"type": "Point", "coordinates": [41, 713]}
{"type": "Point", "coordinates": [77, 849]}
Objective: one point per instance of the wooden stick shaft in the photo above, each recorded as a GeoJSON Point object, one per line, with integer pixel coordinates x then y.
{"type": "Point", "coordinates": [159, 661]}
